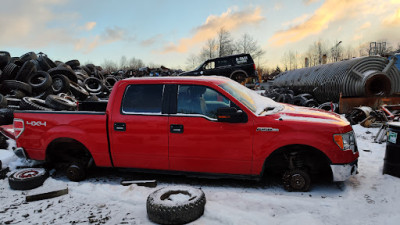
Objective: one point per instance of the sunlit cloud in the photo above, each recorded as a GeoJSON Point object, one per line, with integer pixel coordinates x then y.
{"type": "Point", "coordinates": [366, 25]}
{"type": "Point", "coordinates": [230, 20]}
{"type": "Point", "coordinates": [296, 21]}
{"type": "Point", "coordinates": [307, 2]}
{"type": "Point", "coordinates": [330, 11]}
{"type": "Point", "coordinates": [109, 35]}
{"type": "Point", "coordinates": [90, 25]}
{"type": "Point", "coordinates": [392, 20]}
{"type": "Point", "coordinates": [357, 37]}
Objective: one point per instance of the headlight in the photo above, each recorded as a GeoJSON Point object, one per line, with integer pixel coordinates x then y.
{"type": "Point", "coordinates": [346, 141]}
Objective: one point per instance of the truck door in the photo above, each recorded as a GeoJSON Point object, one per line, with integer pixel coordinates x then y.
{"type": "Point", "coordinates": [139, 129]}
{"type": "Point", "coordinates": [198, 143]}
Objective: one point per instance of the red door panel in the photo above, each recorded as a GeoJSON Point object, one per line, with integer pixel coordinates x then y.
{"type": "Point", "coordinates": [210, 146]}
{"type": "Point", "coordinates": [144, 143]}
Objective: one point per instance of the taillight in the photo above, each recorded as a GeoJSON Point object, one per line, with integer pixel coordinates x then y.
{"type": "Point", "coordinates": [254, 65]}
{"type": "Point", "coordinates": [19, 127]}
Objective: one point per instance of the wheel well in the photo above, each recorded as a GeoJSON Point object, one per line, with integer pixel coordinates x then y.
{"type": "Point", "coordinates": [239, 71]}
{"type": "Point", "coordinates": [67, 150]}
{"type": "Point", "coordinates": [315, 161]}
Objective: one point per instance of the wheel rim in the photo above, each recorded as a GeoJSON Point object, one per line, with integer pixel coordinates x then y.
{"type": "Point", "coordinates": [28, 173]}
{"type": "Point", "coordinates": [297, 181]}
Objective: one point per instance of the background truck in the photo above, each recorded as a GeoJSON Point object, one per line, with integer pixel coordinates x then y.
{"type": "Point", "coordinates": [237, 67]}
{"type": "Point", "coordinates": [191, 125]}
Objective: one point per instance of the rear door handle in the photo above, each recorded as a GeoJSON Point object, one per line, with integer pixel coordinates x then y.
{"type": "Point", "coordinates": [119, 126]}
{"type": "Point", "coordinates": [176, 128]}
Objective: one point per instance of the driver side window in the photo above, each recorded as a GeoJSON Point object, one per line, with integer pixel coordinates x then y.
{"type": "Point", "coordinates": [200, 100]}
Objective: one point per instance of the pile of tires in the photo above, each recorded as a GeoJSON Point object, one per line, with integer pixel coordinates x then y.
{"type": "Point", "coordinates": [35, 82]}
{"type": "Point", "coordinates": [286, 95]}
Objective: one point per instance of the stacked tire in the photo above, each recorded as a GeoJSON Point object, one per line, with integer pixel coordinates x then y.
{"type": "Point", "coordinates": [35, 82]}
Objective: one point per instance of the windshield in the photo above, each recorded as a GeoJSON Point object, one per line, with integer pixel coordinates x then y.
{"type": "Point", "coordinates": [253, 101]}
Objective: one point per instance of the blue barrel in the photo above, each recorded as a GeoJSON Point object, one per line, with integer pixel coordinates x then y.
{"type": "Point", "coordinates": [391, 163]}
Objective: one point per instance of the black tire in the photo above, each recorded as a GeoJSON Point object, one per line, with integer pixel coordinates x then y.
{"type": "Point", "coordinates": [79, 92]}
{"type": "Point", "coordinates": [311, 103]}
{"type": "Point", "coordinates": [40, 81]}
{"type": "Point", "coordinates": [44, 94]}
{"type": "Point", "coordinates": [48, 61]}
{"type": "Point", "coordinates": [76, 172]}
{"type": "Point", "coordinates": [296, 180]}
{"type": "Point", "coordinates": [13, 102]}
{"type": "Point", "coordinates": [4, 59]}
{"type": "Point", "coordinates": [28, 56]}
{"type": "Point", "coordinates": [306, 95]}
{"type": "Point", "coordinates": [87, 70]}
{"type": "Point", "coordinates": [3, 101]}
{"type": "Point", "coordinates": [17, 85]}
{"type": "Point", "coordinates": [26, 179]}
{"type": "Point", "coordinates": [73, 63]}
{"type": "Point", "coordinates": [6, 116]}
{"type": "Point", "coordinates": [110, 81]}
{"type": "Point", "coordinates": [43, 63]}
{"type": "Point", "coordinates": [238, 77]}
{"type": "Point", "coordinates": [61, 84]}
{"type": "Point", "coordinates": [26, 70]}
{"type": "Point", "coordinates": [15, 94]}
{"type": "Point", "coordinates": [93, 85]}
{"type": "Point", "coordinates": [58, 103]}
{"type": "Point", "coordinates": [299, 100]}
{"type": "Point", "coordinates": [64, 71]}
{"type": "Point", "coordinates": [29, 103]}
{"type": "Point", "coordinates": [160, 208]}
{"type": "Point", "coordinates": [9, 72]}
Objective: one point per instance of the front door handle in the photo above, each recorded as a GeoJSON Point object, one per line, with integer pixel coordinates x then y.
{"type": "Point", "coordinates": [119, 126]}
{"type": "Point", "coordinates": [176, 128]}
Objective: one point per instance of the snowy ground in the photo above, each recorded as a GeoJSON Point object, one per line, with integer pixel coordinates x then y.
{"type": "Point", "coordinates": [368, 198]}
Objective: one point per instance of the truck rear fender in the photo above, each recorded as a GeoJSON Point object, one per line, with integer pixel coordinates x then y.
{"type": "Point", "coordinates": [68, 137]}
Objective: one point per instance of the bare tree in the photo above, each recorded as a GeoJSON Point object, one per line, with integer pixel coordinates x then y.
{"type": "Point", "coordinates": [224, 41]}
{"type": "Point", "coordinates": [109, 65]}
{"type": "Point", "coordinates": [247, 44]}
{"type": "Point", "coordinates": [191, 62]}
{"type": "Point", "coordinates": [209, 51]}
{"type": "Point", "coordinates": [135, 63]}
{"type": "Point", "coordinates": [123, 63]}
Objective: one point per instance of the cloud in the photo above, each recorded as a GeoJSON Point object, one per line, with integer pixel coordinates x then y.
{"type": "Point", "coordinates": [109, 35]}
{"type": "Point", "coordinates": [278, 6]}
{"type": "Point", "coordinates": [366, 25]}
{"type": "Point", "coordinates": [229, 20]}
{"type": "Point", "coordinates": [90, 25]}
{"type": "Point", "coordinates": [392, 20]}
{"type": "Point", "coordinates": [297, 21]}
{"type": "Point", "coordinates": [357, 37]}
{"type": "Point", "coordinates": [151, 41]}
{"type": "Point", "coordinates": [330, 11]}
{"type": "Point", "coordinates": [308, 2]}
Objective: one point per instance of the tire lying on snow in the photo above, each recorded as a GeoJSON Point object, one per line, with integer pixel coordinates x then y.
{"type": "Point", "coordinates": [28, 178]}
{"type": "Point", "coordinates": [175, 205]}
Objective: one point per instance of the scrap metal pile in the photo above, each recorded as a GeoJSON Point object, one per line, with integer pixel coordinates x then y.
{"type": "Point", "coordinates": [364, 76]}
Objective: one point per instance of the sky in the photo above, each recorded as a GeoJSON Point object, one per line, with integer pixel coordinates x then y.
{"type": "Point", "coordinates": [166, 33]}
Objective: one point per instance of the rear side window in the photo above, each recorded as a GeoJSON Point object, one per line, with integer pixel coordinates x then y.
{"type": "Point", "coordinates": [143, 98]}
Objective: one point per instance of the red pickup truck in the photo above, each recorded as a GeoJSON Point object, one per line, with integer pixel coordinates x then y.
{"type": "Point", "coordinates": [192, 125]}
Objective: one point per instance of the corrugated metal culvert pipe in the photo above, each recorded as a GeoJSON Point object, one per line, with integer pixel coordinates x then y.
{"type": "Point", "coordinates": [364, 76]}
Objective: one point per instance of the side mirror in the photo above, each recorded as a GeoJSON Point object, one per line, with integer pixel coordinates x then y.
{"type": "Point", "coordinates": [231, 115]}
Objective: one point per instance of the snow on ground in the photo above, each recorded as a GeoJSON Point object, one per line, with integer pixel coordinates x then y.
{"type": "Point", "coordinates": [367, 198]}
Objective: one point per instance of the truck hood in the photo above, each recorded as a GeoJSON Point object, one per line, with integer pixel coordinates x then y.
{"type": "Point", "coordinates": [297, 113]}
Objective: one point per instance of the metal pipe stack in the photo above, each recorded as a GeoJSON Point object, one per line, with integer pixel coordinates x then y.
{"type": "Point", "coordinates": [364, 76]}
